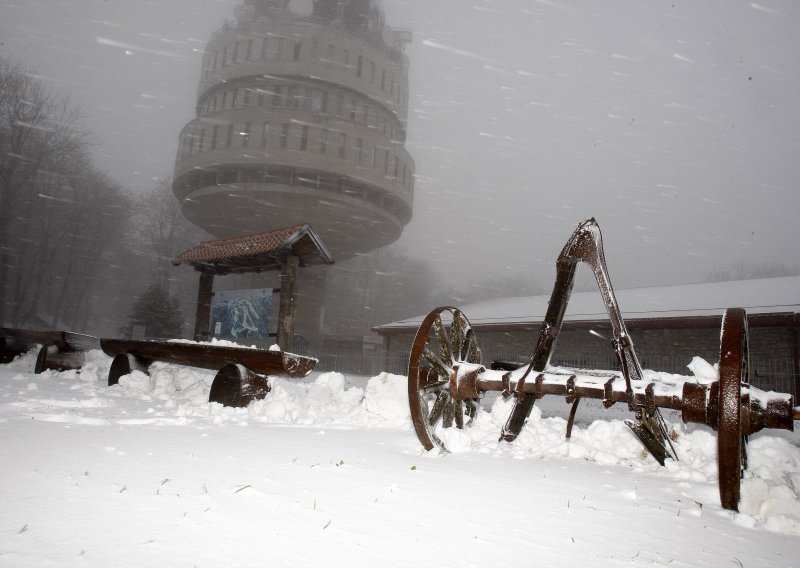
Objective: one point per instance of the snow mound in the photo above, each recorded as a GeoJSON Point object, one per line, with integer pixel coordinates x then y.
{"type": "Point", "coordinates": [172, 395]}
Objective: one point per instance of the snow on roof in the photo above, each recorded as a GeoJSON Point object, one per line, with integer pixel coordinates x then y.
{"type": "Point", "coordinates": [258, 251]}
{"type": "Point", "coordinates": [762, 296]}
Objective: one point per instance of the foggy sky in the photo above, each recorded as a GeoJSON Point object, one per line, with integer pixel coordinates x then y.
{"type": "Point", "coordinates": [675, 124]}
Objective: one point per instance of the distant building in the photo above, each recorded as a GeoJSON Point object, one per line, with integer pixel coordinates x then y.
{"type": "Point", "coordinates": [301, 118]}
{"type": "Point", "coordinates": [668, 324]}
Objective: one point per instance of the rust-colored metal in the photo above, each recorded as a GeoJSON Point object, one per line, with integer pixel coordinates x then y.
{"type": "Point", "coordinates": [445, 378]}
{"type": "Point", "coordinates": [438, 352]}
{"type": "Point", "coordinates": [733, 420]}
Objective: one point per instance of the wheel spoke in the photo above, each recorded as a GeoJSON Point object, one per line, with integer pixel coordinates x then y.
{"type": "Point", "coordinates": [458, 408]}
{"type": "Point", "coordinates": [438, 407]}
{"type": "Point", "coordinates": [435, 386]}
{"type": "Point", "coordinates": [457, 332]}
{"type": "Point", "coordinates": [449, 413]}
{"type": "Point", "coordinates": [471, 352]}
{"type": "Point", "coordinates": [442, 341]}
{"type": "Point", "coordinates": [438, 366]}
{"type": "Point", "coordinates": [472, 409]}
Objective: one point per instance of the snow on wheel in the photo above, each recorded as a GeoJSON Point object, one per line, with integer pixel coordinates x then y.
{"type": "Point", "coordinates": [443, 341]}
{"type": "Point", "coordinates": [733, 412]}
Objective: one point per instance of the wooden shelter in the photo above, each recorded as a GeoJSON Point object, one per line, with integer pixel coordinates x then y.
{"type": "Point", "coordinates": [283, 249]}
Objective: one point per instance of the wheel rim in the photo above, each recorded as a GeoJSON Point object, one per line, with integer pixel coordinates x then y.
{"type": "Point", "coordinates": [733, 412]}
{"type": "Point", "coordinates": [443, 340]}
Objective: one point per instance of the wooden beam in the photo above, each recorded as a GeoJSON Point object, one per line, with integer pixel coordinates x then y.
{"type": "Point", "coordinates": [202, 318]}
{"type": "Point", "coordinates": [794, 335]}
{"type": "Point", "coordinates": [286, 310]}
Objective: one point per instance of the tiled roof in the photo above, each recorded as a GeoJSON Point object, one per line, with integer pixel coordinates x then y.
{"type": "Point", "coordinates": [235, 247]}
{"type": "Point", "coordinates": [257, 252]}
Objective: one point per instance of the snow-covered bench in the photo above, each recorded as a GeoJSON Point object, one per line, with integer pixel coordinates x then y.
{"type": "Point", "coordinates": [59, 350]}
{"type": "Point", "coordinates": [241, 371]}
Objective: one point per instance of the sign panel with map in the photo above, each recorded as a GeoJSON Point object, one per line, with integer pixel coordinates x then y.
{"type": "Point", "coordinates": [241, 314]}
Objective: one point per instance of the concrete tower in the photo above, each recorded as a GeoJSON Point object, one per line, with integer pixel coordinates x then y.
{"type": "Point", "coordinates": [301, 118]}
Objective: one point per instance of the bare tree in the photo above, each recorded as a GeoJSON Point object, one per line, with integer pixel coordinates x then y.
{"type": "Point", "coordinates": [58, 214]}
{"type": "Point", "coordinates": [742, 270]}
{"type": "Point", "coordinates": [159, 224]}
{"type": "Point", "coordinates": [376, 288]}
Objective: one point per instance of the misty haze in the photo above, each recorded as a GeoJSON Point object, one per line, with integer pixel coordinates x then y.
{"type": "Point", "coordinates": [310, 178]}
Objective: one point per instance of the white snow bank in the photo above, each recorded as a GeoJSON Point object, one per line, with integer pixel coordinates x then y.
{"type": "Point", "coordinates": [173, 395]}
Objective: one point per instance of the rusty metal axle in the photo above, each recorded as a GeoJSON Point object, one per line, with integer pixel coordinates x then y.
{"type": "Point", "coordinates": [446, 378]}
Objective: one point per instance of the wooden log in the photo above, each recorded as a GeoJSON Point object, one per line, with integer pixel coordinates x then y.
{"type": "Point", "coordinates": [213, 357]}
{"type": "Point", "coordinates": [124, 364]}
{"type": "Point", "coordinates": [59, 350]}
{"type": "Point", "coordinates": [236, 385]}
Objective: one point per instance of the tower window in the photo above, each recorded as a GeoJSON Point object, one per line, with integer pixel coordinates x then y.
{"type": "Point", "coordinates": [246, 134]}
{"type": "Point", "coordinates": [249, 54]}
{"type": "Point", "coordinates": [291, 97]}
{"type": "Point", "coordinates": [264, 47]}
{"type": "Point", "coordinates": [304, 138]}
{"type": "Point", "coordinates": [279, 52]}
{"type": "Point", "coordinates": [276, 96]}
{"type": "Point", "coordinates": [342, 145]}
{"type": "Point", "coordinates": [229, 137]}
{"type": "Point", "coordinates": [323, 141]}
{"type": "Point", "coordinates": [214, 134]}
{"type": "Point", "coordinates": [296, 55]}
{"type": "Point", "coordinates": [265, 135]}
{"type": "Point", "coordinates": [360, 65]}
{"type": "Point", "coordinates": [285, 135]}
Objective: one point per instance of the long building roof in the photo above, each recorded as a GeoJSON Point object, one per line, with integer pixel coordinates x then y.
{"type": "Point", "coordinates": [688, 301]}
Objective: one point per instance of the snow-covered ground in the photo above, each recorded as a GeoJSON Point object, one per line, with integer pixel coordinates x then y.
{"type": "Point", "coordinates": [328, 471]}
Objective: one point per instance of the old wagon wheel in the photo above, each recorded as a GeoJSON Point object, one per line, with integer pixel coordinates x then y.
{"type": "Point", "coordinates": [443, 340]}
{"type": "Point", "coordinates": [733, 414]}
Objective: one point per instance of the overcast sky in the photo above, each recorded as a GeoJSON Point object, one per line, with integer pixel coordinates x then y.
{"type": "Point", "coordinates": [676, 124]}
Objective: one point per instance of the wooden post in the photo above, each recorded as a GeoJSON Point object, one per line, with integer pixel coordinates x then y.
{"type": "Point", "coordinates": [287, 304]}
{"type": "Point", "coordinates": [794, 335]}
{"type": "Point", "coordinates": [202, 317]}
